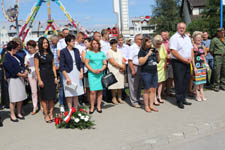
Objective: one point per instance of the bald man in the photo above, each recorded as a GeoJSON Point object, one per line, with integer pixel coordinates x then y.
{"type": "Point", "coordinates": [181, 50]}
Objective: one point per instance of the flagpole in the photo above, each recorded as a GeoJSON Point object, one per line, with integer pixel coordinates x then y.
{"type": "Point", "coordinates": [221, 13]}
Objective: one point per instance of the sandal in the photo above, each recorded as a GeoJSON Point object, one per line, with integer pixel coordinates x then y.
{"type": "Point", "coordinates": [154, 109]}
{"type": "Point", "coordinates": [147, 109]}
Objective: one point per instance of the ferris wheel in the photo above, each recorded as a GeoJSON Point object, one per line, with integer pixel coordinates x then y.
{"type": "Point", "coordinates": [10, 9]}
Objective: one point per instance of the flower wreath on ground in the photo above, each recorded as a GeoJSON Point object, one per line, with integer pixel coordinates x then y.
{"type": "Point", "coordinates": [74, 119]}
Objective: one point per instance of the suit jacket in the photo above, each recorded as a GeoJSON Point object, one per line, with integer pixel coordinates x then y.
{"type": "Point", "coordinates": [12, 66]}
{"type": "Point", "coordinates": [66, 60]}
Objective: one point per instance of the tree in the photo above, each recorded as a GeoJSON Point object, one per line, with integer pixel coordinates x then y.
{"type": "Point", "coordinates": [210, 19]}
{"type": "Point", "coordinates": [166, 15]}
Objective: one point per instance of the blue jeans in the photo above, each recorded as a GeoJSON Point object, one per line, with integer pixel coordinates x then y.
{"type": "Point", "coordinates": [61, 90]}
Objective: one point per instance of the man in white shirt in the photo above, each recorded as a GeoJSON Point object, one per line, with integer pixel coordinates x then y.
{"type": "Point", "coordinates": [105, 46]}
{"type": "Point", "coordinates": [181, 50]}
{"type": "Point", "coordinates": [134, 72]}
{"type": "Point", "coordinates": [61, 45]}
{"type": "Point", "coordinates": [79, 44]}
{"type": "Point", "coordinates": [123, 48]}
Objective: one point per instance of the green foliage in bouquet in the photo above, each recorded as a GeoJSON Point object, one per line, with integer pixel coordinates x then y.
{"type": "Point", "coordinates": [75, 119]}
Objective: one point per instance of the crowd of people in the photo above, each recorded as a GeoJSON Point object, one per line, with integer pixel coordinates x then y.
{"type": "Point", "coordinates": [69, 69]}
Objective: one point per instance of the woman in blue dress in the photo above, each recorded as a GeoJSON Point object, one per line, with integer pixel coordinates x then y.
{"type": "Point", "coordinates": [96, 64]}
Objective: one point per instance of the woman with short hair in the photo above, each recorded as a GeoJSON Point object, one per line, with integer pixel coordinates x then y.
{"type": "Point", "coordinates": [15, 73]}
{"type": "Point", "coordinates": [117, 66]}
{"type": "Point", "coordinates": [32, 78]}
{"type": "Point", "coordinates": [72, 69]}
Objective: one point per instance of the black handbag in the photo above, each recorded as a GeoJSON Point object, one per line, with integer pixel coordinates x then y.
{"type": "Point", "coordinates": [108, 79]}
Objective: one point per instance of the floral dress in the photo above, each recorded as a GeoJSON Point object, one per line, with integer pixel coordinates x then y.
{"type": "Point", "coordinates": [200, 75]}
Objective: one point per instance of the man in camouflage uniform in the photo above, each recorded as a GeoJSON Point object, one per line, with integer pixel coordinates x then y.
{"type": "Point", "coordinates": [217, 49]}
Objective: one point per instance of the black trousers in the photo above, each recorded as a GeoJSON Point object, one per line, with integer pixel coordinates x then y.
{"type": "Point", "coordinates": [4, 90]}
{"type": "Point", "coordinates": [181, 72]}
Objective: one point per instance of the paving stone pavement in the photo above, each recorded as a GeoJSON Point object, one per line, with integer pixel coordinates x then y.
{"type": "Point", "coordinates": [119, 127]}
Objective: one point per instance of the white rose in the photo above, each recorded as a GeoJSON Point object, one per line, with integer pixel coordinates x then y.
{"type": "Point", "coordinates": [86, 119]}
{"type": "Point", "coordinates": [79, 114]}
{"type": "Point", "coordinates": [82, 117]}
{"type": "Point", "coordinates": [76, 120]}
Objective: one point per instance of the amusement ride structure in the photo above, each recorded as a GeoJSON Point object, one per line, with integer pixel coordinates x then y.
{"type": "Point", "coordinates": [34, 12]}
{"type": "Point", "coordinates": [10, 9]}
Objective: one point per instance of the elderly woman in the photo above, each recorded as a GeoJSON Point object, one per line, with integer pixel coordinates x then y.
{"type": "Point", "coordinates": [15, 73]}
{"type": "Point", "coordinates": [161, 66]}
{"type": "Point", "coordinates": [72, 69]}
{"type": "Point", "coordinates": [199, 66]}
{"type": "Point", "coordinates": [117, 66]}
{"type": "Point", "coordinates": [95, 61]}
{"type": "Point", "coordinates": [148, 58]}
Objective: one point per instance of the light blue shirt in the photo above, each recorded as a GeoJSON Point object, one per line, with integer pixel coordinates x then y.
{"type": "Point", "coordinates": [182, 45]}
{"type": "Point", "coordinates": [207, 45]}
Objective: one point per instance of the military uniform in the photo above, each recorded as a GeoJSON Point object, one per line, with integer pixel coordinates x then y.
{"type": "Point", "coordinates": [217, 48]}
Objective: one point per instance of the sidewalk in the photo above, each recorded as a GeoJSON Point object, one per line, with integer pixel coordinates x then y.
{"type": "Point", "coordinates": [120, 127]}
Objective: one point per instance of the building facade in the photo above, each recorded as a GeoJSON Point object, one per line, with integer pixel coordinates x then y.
{"type": "Point", "coordinates": [191, 9]}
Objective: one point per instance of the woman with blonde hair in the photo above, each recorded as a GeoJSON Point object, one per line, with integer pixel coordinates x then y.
{"type": "Point", "coordinates": [161, 66]}
{"type": "Point", "coordinates": [199, 66]}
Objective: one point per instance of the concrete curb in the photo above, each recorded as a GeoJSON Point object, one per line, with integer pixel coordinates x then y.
{"type": "Point", "coordinates": [189, 131]}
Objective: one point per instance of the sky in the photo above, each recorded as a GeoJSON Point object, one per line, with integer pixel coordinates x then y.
{"type": "Point", "coordinates": [92, 14]}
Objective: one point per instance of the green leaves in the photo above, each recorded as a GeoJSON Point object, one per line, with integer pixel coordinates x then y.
{"type": "Point", "coordinates": [166, 15]}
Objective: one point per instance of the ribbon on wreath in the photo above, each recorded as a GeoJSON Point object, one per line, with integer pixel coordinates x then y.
{"type": "Point", "coordinates": [68, 116]}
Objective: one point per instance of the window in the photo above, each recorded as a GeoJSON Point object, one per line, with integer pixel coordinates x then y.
{"type": "Point", "coordinates": [201, 10]}
{"type": "Point", "coordinates": [196, 11]}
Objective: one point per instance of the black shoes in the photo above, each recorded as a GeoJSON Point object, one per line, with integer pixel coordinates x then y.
{"type": "Point", "coordinates": [180, 105]}
{"type": "Point", "coordinates": [99, 111]}
{"type": "Point", "coordinates": [14, 120]}
{"type": "Point", "coordinates": [21, 118]}
{"type": "Point", "coordinates": [186, 103]}
{"type": "Point", "coordinates": [91, 112]}
{"type": "Point", "coordinates": [1, 124]}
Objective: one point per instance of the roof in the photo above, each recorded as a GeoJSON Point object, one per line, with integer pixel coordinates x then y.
{"type": "Point", "coordinates": [191, 4]}
{"type": "Point", "coordinates": [196, 3]}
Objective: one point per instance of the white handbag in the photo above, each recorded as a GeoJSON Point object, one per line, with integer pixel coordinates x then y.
{"type": "Point", "coordinates": [72, 86]}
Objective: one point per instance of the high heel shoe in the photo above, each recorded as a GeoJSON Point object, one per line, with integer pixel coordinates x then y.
{"type": "Point", "coordinates": [198, 99]}
{"type": "Point", "coordinates": [91, 112]}
{"type": "Point", "coordinates": [34, 111]}
{"type": "Point", "coordinates": [21, 118]}
{"type": "Point", "coordinates": [204, 99]}
{"type": "Point", "coordinates": [99, 111]}
{"type": "Point", "coordinates": [14, 120]}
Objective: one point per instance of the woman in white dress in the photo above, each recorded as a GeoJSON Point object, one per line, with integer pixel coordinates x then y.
{"type": "Point", "coordinates": [72, 69]}
{"type": "Point", "coordinates": [15, 73]}
{"type": "Point", "coordinates": [117, 66]}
